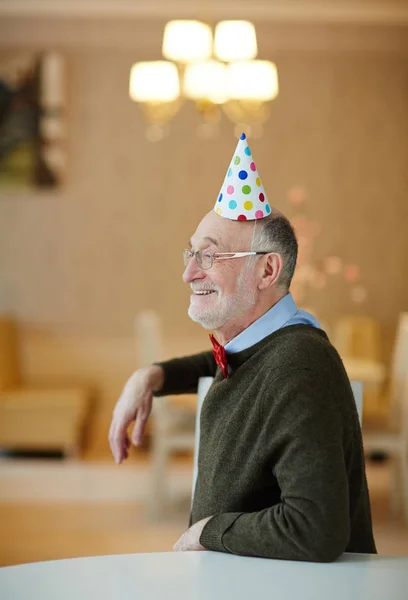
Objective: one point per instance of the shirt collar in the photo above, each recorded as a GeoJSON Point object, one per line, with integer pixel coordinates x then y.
{"type": "Point", "coordinates": [275, 318]}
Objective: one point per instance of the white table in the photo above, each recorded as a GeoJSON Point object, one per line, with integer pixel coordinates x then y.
{"type": "Point", "coordinates": [206, 575]}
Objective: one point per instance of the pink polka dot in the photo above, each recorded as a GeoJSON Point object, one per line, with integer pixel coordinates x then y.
{"type": "Point", "coordinates": [230, 189]}
{"type": "Point", "coordinates": [253, 167]}
{"type": "Point", "coordinates": [259, 214]}
{"type": "Point", "coordinates": [242, 218]}
{"type": "Point", "coordinates": [262, 197]}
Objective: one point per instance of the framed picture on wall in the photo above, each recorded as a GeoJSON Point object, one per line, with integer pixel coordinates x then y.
{"type": "Point", "coordinates": [32, 120]}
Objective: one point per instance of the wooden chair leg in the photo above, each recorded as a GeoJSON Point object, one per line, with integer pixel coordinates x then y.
{"type": "Point", "coordinates": [395, 483]}
{"type": "Point", "coordinates": [404, 483]}
{"type": "Point", "coordinates": [71, 453]}
{"type": "Point", "coordinates": [158, 484]}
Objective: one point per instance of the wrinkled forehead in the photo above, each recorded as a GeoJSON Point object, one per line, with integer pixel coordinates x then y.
{"type": "Point", "coordinates": [225, 234]}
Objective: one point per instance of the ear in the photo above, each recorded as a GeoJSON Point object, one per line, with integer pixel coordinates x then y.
{"type": "Point", "coordinates": [272, 265]}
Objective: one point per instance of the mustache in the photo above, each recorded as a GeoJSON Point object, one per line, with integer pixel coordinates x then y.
{"type": "Point", "coordinates": [203, 287]}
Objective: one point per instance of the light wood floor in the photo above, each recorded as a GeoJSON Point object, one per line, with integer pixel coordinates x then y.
{"type": "Point", "coordinates": [87, 518]}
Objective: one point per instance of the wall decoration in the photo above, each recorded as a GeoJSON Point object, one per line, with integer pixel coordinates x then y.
{"type": "Point", "coordinates": [32, 120]}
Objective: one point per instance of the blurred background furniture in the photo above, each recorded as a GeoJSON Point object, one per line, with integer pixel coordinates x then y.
{"type": "Point", "coordinates": [357, 338]}
{"type": "Point", "coordinates": [173, 421]}
{"type": "Point", "coordinates": [391, 437]}
{"type": "Point", "coordinates": [358, 389]}
{"type": "Point", "coordinates": [45, 418]}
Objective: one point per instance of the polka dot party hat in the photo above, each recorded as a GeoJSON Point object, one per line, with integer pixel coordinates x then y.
{"type": "Point", "coordinates": [242, 196]}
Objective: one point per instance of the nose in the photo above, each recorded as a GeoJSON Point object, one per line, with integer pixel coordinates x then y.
{"type": "Point", "coordinates": [192, 272]}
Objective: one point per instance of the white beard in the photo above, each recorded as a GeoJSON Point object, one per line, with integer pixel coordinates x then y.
{"type": "Point", "coordinates": [224, 308]}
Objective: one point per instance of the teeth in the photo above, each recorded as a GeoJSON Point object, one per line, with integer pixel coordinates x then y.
{"type": "Point", "coordinates": [202, 293]}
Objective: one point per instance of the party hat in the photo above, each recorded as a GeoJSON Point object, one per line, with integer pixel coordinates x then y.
{"type": "Point", "coordinates": [242, 196]}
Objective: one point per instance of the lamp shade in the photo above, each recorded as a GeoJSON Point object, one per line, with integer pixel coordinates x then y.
{"type": "Point", "coordinates": [252, 80]}
{"type": "Point", "coordinates": [154, 81]}
{"type": "Point", "coordinates": [187, 41]}
{"type": "Point", "coordinates": [206, 81]}
{"type": "Point", "coordinates": [235, 40]}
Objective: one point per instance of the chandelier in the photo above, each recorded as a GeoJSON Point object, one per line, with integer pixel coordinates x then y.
{"type": "Point", "coordinates": [219, 73]}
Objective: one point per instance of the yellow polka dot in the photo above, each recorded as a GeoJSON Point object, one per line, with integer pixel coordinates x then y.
{"type": "Point", "coordinates": [218, 211]}
{"type": "Point", "coordinates": [258, 182]}
{"type": "Point", "coordinates": [248, 205]}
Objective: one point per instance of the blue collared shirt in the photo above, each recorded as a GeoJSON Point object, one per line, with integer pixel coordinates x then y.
{"type": "Point", "coordinates": [282, 314]}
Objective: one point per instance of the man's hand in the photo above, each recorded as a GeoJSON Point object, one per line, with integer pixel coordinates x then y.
{"type": "Point", "coordinates": [134, 404]}
{"type": "Point", "coordinates": [190, 540]}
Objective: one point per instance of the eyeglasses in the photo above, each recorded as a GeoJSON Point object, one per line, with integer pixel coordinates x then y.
{"type": "Point", "coordinates": [205, 258]}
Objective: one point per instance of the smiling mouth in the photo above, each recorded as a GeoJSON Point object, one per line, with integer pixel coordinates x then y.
{"type": "Point", "coordinates": [203, 292]}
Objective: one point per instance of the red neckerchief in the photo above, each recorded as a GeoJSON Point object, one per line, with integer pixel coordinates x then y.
{"type": "Point", "coordinates": [220, 355]}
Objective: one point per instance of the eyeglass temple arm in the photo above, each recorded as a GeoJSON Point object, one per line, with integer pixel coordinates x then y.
{"type": "Point", "coordinates": [228, 255]}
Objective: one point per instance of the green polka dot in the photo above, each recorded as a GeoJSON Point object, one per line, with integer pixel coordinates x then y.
{"type": "Point", "coordinates": [246, 189]}
{"type": "Point", "coordinates": [237, 160]}
{"type": "Point", "coordinates": [248, 205]}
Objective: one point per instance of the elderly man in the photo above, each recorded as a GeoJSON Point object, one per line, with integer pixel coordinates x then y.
{"type": "Point", "coordinates": [281, 469]}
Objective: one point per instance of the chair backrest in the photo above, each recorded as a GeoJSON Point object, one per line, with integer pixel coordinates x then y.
{"type": "Point", "coordinates": [403, 411]}
{"type": "Point", "coordinates": [399, 370]}
{"type": "Point", "coordinates": [357, 336]}
{"type": "Point", "coordinates": [9, 354]}
{"type": "Point", "coordinates": [357, 388]}
{"type": "Point", "coordinates": [204, 384]}
{"type": "Point", "coordinates": [149, 350]}
{"type": "Point", "coordinates": [148, 339]}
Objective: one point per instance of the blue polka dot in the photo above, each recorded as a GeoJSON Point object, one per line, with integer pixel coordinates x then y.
{"type": "Point", "coordinates": [247, 151]}
{"type": "Point", "coordinates": [242, 174]}
{"type": "Point", "coordinates": [220, 198]}
{"type": "Point", "coordinates": [243, 136]}
{"type": "Point", "coordinates": [268, 210]}
{"type": "Point", "coordinates": [229, 173]}
{"type": "Point", "coordinates": [232, 204]}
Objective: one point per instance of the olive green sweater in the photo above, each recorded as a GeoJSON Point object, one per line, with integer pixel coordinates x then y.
{"type": "Point", "coordinates": [281, 464]}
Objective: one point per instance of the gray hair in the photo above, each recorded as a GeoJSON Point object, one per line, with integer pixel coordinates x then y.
{"type": "Point", "coordinates": [276, 234]}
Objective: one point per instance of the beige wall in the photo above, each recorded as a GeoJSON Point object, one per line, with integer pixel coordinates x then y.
{"type": "Point", "coordinates": [83, 261]}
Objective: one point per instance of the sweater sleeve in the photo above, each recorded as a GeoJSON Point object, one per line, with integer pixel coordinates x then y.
{"type": "Point", "coordinates": [300, 434]}
{"type": "Point", "coordinates": [181, 375]}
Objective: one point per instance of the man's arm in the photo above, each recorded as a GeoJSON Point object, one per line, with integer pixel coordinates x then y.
{"type": "Point", "coordinates": [301, 434]}
{"type": "Point", "coordinates": [175, 376]}
{"type": "Point", "coordinates": [181, 375]}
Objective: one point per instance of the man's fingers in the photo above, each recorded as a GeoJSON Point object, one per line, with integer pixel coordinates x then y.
{"type": "Point", "coordinates": [138, 429]}
{"type": "Point", "coordinates": [113, 441]}
{"type": "Point", "coordinates": [178, 546]}
{"type": "Point", "coordinates": [117, 440]}
{"type": "Point", "coordinates": [134, 404]}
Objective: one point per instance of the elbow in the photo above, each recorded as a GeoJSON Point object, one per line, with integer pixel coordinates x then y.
{"type": "Point", "coordinates": [324, 555]}
{"type": "Point", "coordinates": [329, 549]}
